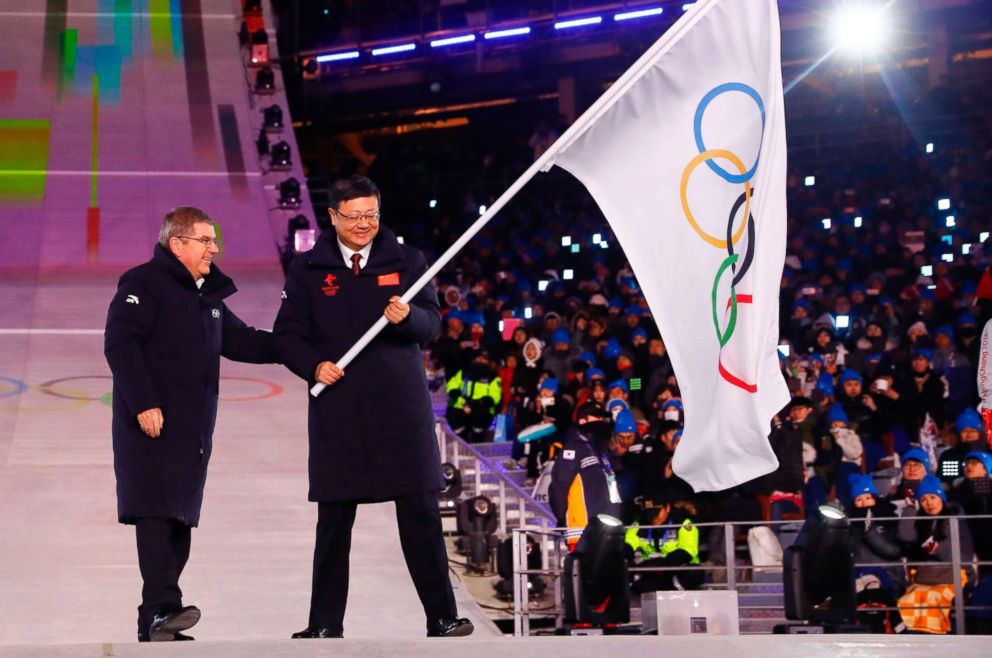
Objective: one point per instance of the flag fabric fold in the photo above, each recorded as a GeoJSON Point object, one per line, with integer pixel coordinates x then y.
{"type": "Point", "coordinates": [688, 164]}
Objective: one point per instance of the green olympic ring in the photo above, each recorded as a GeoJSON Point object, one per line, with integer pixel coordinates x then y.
{"type": "Point", "coordinates": [724, 337]}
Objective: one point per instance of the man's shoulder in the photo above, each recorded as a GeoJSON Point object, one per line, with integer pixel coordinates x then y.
{"type": "Point", "coordinates": [142, 275]}
{"type": "Point", "coordinates": [412, 256]}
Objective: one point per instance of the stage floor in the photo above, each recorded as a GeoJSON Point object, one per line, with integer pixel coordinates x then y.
{"type": "Point", "coordinates": [68, 570]}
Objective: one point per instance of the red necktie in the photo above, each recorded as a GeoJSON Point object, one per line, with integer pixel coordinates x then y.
{"type": "Point", "coordinates": [355, 260]}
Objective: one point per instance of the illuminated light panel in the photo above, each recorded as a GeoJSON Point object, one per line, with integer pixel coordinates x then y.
{"type": "Point", "coordinates": [502, 34]}
{"type": "Point", "coordinates": [390, 50]}
{"type": "Point", "coordinates": [578, 22]}
{"type": "Point", "coordinates": [337, 57]}
{"type": "Point", "coordinates": [640, 13]}
{"type": "Point", "coordinates": [450, 41]}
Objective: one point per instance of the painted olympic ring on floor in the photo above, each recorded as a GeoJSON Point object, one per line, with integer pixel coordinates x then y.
{"type": "Point", "coordinates": [19, 387]}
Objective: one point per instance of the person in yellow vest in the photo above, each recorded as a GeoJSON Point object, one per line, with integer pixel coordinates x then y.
{"type": "Point", "coordinates": [676, 546]}
{"type": "Point", "coordinates": [474, 394]}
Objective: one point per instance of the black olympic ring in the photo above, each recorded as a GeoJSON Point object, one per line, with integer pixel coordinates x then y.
{"type": "Point", "coordinates": [749, 254]}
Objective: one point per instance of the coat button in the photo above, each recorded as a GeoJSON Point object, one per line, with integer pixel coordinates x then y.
{"type": "Point", "coordinates": [201, 451]}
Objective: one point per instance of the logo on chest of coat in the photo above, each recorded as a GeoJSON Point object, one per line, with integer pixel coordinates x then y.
{"type": "Point", "coordinates": [215, 312]}
{"type": "Point", "coordinates": [330, 288]}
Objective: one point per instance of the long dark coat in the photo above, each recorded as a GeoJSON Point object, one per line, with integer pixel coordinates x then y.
{"type": "Point", "coordinates": [163, 341]}
{"type": "Point", "coordinates": [372, 433]}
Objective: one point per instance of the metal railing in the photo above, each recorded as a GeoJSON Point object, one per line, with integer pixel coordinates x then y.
{"type": "Point", "coordinates": [484, 476]}
{"type": "Point", "coordinates": [552, 540]}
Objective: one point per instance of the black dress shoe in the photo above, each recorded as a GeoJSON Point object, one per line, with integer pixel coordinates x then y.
{"type": "Point", "coordinates": [143, 637]}
{"type": "Point", "coordinates": [450, 628]}
{"type": "Point", "coordinates": [309, 633]}
{"type": "Point", "coordinates": [165, 625]}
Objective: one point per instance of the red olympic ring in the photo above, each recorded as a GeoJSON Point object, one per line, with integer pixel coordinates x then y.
{"type": "Point", "coordinates": [726, 374]}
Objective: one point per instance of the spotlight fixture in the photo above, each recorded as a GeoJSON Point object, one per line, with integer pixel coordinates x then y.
{"type": "Point", "coordinates": [259, 53]}
{"type": "Point", "coordinates": [504, 567]}
{"type": "Point", "coordinates": [289, 194]}
{"type": "Point", "coordinates": [447, 498]}
{"type": "Point", "coordinates": [265, 80]}
{"type": "Point", "coordinates": [477, 519]}
{"type": "Point", "coordinates": [272, 118]}
{"type": "Point", "coordinates": [597, 589]}
{"type": "Point", "coordinates": [861, 30]}
{"type": "Point", "coordinates": [818, 574]}
{"type": "Point", "coordinates": [282, 156]}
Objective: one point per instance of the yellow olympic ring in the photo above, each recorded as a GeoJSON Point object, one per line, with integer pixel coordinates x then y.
{"type": "Point", "coordinates": [80, 400]}
{"type": "Point", "coordinates": [683, 188]}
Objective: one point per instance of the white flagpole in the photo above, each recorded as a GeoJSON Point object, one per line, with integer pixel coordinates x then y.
{"type": "Point", "coordinates": [543, 163]}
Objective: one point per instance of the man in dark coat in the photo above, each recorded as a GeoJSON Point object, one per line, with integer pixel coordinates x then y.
{"type": "Point", "coordinates": [372, 431]}
{"type": "Point", "coordinates": [167, 328]}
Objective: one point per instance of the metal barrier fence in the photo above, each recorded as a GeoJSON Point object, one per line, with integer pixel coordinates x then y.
{"type": "Point", "coordinates": [552, 568]}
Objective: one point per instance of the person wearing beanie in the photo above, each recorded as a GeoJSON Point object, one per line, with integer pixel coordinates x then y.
{"type": "Point", "coordinates": [974, 494]}
{"type": "Point", "coordinates": [583, 483]}
{"type": "Point", "coordinates": [922, 393]}
{"type": "Point", "coordinates": [970, 437]}
{"type": "Point", "coordinates": [851, 450]}
{"type": "Point", "coordinates": [558, 354]}
{"type": "Point", "coordinates": [858, 405]}
{"type": "Point", "coordinates": [624, 463]}
{"type": "Point", "coordinates": [674, 546]}
{"type": "Point", "coordinates": [784, 486]}
{"type": "Point", "coordinates": [915, 466]}
{"type": "Point", "coordinates": [618, 390]}
{"type": "Point", "coordinates": [925, 533]}
{"type": "Point", "coordinates": [874, 541]}
{"type": "Point", "coordinates": [955, 368]}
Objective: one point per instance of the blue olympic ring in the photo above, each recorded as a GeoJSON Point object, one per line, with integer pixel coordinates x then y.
{"type": "Point", "coordinates": [19, 387]}
{"type": "Point", "coordinates": [698, 129]}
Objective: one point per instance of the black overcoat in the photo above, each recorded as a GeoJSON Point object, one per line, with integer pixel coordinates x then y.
{"type": "Point", "coordinates": [372, 433]}
{"type": "Point", "coordinates": [163, 341]}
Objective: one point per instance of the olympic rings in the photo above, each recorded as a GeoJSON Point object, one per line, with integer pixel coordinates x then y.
{"type": "Point", "coordinates": [745, 177]}
{"type": "Point", "coordinates": [749, 254]}
{"type": "Point", "coordinates": [76, 402]}
{"type": "Point", "coordinates": [19, 387]}
{"type": "Point", "coordinates": [697, 127]}
{"type": "Point", "coordinates": [48, 387]}
{"type": "Point", "coordinates": [707, 156]}
{"type": "Point", "coordinates": [274, 389]}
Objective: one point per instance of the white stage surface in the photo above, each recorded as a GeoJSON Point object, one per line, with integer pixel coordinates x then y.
{"type": "Point", "coordinates": [68, 570]}
{"type": "Point", "coordinates": [69, 581]}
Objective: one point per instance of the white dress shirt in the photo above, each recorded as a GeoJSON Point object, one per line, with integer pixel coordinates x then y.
{"type": "Point", "coordinates": [346, 253]}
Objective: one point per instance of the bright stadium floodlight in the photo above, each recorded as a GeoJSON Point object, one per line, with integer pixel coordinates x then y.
{"type": "Point", "coordinates": [950, 222]}
{"type": "Point", "coordinates": [566, 241]}
{"type": "Point", "coordinates": [810, 181]}
{"type": "Point", "coordinates": [826, 223]}
{"type": "Point", "coordinates": [929, 147]}
{"type": "Point", "coordinates": [639, 13]}
{"type": "Point", "coordinates": [858, 221]}
{"type": "Point", "coordinates": [451, 41]}
{"type": "Point", "coordinates": [482, 210]}
{"type": "Point", "coordinates": [983, 236]}
{"type": "Point", "coordinates": [597, 238]}
{"type": "Point", "coordinates": [542, 285]}
{"type": "Point", "coordinates": [578, 22]}
{"type": "Point", "coordinates": [861, 29]}
{"type": "Point", "coordinates": [510, 32]}
{"type": "Point", "coordinates": [943, 204]}
{"type": "Point", "coordinates": [568, 275]}
{"type": "Point", "coordinates": [433, 203]}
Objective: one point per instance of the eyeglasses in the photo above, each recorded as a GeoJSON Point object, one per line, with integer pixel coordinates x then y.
{"type": "Point", "coordinates": [205, 241]}
{"type": "Point", "coordinates": [370, 217]}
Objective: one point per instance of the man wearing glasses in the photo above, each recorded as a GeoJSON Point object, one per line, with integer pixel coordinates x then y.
{"type": "Point", "coordinates": [372, 431]}
{"type": "Point", "coordinates": [167, 328]}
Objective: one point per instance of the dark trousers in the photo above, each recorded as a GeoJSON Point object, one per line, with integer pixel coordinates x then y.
{"type": "Point", "coordinates": [423, 547]}
{"type": "Point", "coordinates": [163, 549]}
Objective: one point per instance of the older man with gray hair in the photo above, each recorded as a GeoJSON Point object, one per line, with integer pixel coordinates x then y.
{"type": "Point", "coordinates": [167, 328]}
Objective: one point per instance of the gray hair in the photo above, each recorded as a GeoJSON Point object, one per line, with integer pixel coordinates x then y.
{"type": "Point", "coordinates": [179, 221]}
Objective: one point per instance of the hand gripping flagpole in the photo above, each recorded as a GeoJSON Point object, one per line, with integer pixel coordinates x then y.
{"type": "Point", "coordinates": [543, 163]}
